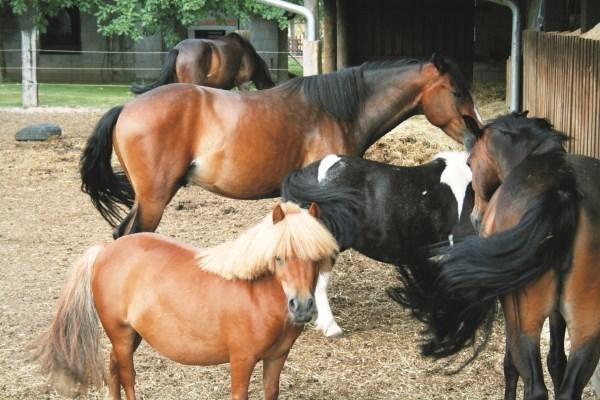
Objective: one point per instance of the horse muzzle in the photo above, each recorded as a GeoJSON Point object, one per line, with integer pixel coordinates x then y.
{"type": "Point", "coordinates": [302, 311]}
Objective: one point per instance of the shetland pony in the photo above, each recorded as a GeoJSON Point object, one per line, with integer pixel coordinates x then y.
{"type": "Point", "coordinates": [242, 144]}
{"type": "Point", "coordinates": [221, 63]}
{"type": "Point", "coordinates": [388, 213]}
{"type": "Point", "coordinates": [239, 302]}
{"type": "Point", "coordinates": [538, 253]}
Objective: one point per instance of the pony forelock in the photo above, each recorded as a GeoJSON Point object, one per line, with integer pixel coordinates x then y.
{"type": "Point", "coordinates": [253, 253]}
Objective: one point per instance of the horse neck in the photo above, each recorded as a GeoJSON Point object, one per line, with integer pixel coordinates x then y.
{"type": "Point", "coordinates": [394, 95]}
{"type": "Point", "coordinates": [261, 75]}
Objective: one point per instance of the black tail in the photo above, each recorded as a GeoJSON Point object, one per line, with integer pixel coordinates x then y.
{"type": "Point", "coordinates": [479, 270]}
{"type": "Point", "coordinates": [262, 76]}
{"type": "Point", "coordinates": [340, 207]}
{"type": "Point", "coordinates": [105, 187]}
{"type": "Point", "coordinates": [167, 74]}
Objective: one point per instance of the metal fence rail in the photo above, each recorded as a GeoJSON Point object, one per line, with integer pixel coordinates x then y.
{"type": "Point", "coordinates": [562, 83]}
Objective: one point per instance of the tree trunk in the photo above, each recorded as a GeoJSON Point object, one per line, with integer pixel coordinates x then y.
{"type": "Point", "coordinates": [282, 55]}
{"type": "Point", "coordinates": [2, 58]}
{"type": "Point", "coordinates": [342, 34]}
{"type": "Point", "coordinates": [329, 36]}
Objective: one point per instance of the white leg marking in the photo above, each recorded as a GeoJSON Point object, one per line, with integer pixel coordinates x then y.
{"type": "Point", "coordinates": [457, 175]}
{"type": "Point", "coordinates": [325, 164]}
{"type": "Point", "coordinates": [451, 239]}
{"type": "Point", "coordinates": [325, 321]}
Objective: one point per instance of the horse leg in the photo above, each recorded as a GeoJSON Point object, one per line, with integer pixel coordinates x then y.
{"type": "Point", "coordinates": [114, 384]}
{"type": "Point", "coordinates": [524, 315]}
{"type": "Point", "coordinates": [127, 225]}
{"type": "Point", "coordinates": [271, 372]}
{"type": "Point", "coordinates": [556, 355]}
{"type": "Point", "coordinates": [325, 320]}
{"type": "Point", "coordinates": [124, 341]}
{"type": "Point", "coordinates": [146, 213]}
{"type": "Point", "coordinates": [241, 371]}
{"type": "Point", "coordinates": [582, 362]}
{"type": "Point", "coordinates": [511, 377]}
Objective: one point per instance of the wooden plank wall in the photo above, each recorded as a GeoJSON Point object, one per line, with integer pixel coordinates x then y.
{"type": "Point", "coordinates": [561, 82]}
{"type": "Point", "coordinates": [384, 29]}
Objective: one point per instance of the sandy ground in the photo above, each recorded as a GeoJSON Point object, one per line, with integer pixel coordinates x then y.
{"type": "Point", "coordinates": [46, 223]}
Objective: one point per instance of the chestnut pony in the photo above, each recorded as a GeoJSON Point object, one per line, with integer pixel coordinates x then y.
{"type": "Point", "coordinates": [242, 144]}
{"type": "Point", "coordinates": [239, 302]}
{"type": "Point", "coordinates": [538, 252]}
{"type": "Point", "coordinates": [220, 63]}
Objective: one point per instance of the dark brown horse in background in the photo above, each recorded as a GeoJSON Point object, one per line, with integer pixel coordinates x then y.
{"type": "Point", "coordinates": [539, 253]}
{"type": "Point", "coordinates": [242, 144]}
{"type": "Point", "coordinates": [220, 63]}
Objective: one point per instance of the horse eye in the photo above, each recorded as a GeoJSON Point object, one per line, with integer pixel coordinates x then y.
{"type": "Point", "coordinates": [457, 94]}
{"type": "Point", "coordinates": [278, 260]}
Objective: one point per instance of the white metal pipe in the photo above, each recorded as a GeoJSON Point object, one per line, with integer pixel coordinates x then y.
{"type": "Point", "coordinates": [515, 53]}
{"type": "Point", "coordinates": [311, 27]}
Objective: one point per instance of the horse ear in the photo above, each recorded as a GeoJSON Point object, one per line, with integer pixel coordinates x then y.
{"type": "Point", "coordinates": [314, 210]}
{"type": "Point", "coordinates": [439, 63]}
{"type": "Point", "coordinates": [278, 214]}
{"type": "Point", "coordinates": [472, 126]}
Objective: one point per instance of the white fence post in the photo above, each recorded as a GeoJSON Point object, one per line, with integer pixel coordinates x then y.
{"type": "Point", "coordinates": [310, 54]}
{"type": "Point", "coordinates": [29, 89]}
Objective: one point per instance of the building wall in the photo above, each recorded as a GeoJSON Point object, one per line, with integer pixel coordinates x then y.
{"type": "Point", "coordinates": [493, 27]}
{"type": "Point", "coordinates": [125, 67]}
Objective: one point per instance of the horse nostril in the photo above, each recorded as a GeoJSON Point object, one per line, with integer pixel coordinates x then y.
{"type": "Point", "coordinates": [293, 305]}
{"type": "Point", "coordinates": [310, 304]}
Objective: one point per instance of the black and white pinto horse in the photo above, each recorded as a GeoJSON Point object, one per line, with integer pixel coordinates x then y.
{"type": "Point", "coordinates": [388, 213]}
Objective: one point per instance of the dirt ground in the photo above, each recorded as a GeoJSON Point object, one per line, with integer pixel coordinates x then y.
{"type": "Point", "coordinates": [46, 223]}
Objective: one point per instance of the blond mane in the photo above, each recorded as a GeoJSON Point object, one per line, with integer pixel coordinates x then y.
{"type": "Point", "coordinates": [252, 254]}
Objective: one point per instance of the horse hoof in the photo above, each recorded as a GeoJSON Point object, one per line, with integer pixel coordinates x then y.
{"type": "Point", "coordinates": [333, 331]}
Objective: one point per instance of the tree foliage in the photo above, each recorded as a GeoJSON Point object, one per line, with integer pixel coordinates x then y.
{"type": "Point", "coordinates": [139, 18]}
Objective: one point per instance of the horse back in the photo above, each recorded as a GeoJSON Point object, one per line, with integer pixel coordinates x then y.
{"type": "Point", "coordinates": [156, 285]}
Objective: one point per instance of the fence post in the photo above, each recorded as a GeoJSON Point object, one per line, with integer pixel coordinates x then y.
{"type": "Point", "coordinates": [29, 89]}
{"type": "Point", "coordinates": [310, 51]}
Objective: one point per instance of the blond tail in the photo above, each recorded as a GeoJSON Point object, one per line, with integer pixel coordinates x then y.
{"type": "Point", "coordinates": [68, 353]}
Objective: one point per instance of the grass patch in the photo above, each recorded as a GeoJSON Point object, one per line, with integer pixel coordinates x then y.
{"type": "Point", "coordinates": [295, 66]}
{"type": "Point", "coordinates": [68, 95]}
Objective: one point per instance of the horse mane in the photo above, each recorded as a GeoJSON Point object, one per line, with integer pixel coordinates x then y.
{"type": "Point", "coordinates": [533, 131]}
{"type": "Point", "coordinates": [327, 91]}
{"type": "Point", "coordinates": [253, 253]}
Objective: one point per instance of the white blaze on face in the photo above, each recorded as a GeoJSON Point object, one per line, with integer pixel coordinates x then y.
{"type": "Point", "coordinates": [457, 175]}
{"type": "Point", "coordinates": [325, 164]}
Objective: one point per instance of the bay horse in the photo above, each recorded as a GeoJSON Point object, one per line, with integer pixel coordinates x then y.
{"type": "Point", "coordinates": [243, 144]}
{"type": "Point", "coordinates": [388, 213]}
{"type": "Point", "coordinates": [239, 302]}
{"type": "Point", "coordinates": [538, 252]}
{"type": "Point", "coordinates": [223, 63]}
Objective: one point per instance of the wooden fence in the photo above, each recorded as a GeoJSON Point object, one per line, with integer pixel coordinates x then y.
{"type": "Point", "coordinates": [561, 82]}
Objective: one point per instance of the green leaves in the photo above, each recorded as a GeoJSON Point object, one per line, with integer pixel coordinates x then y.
{"type": "Point", "coordinates": [139, 18]}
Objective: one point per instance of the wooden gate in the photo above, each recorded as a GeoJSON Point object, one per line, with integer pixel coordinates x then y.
{"type": "Point", "coordinates": [561, 82]}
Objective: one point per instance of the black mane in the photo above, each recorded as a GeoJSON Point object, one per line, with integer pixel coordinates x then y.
{"type": "Point", "coordinates": [343, 93]}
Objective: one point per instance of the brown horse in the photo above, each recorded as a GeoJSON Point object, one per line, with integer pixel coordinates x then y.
{"type": "Point", "coordinates": [220, 63]}
{"type": "Point", "coordinates": [239, 302]}
{"type": "Point", "coordinates": [539, 253]}
{"type": "Point", "coordinates": [242, 144]}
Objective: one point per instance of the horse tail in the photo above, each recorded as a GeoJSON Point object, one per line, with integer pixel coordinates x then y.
{"type": "Point", "coordinates": [479, 270]}
{"type": "Point", "coordinates": [340, 207]}
{"type": "Point", "coordinates": [69, 352]}
{"type": "Point", "coordinates": [261, 76]}
{"type": "Point", "coordinates": [167, 74]}
{"type": "Point", "coordinates": [105, 186]}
